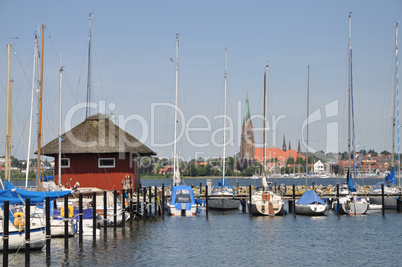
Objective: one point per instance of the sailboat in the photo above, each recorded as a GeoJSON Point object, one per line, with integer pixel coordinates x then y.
{"type": "Point", "coordinates": [182, 201]}
{"type": "Point", "coordinates": [17, 224]}
{"type": "Point", "coordinates": [309, 203]}
{"type": "Point", "coordinates": [222, 194]}
{"type": "Point", "coordinates": [264, 201]}
{"type": "Point", "coordinates": [389, 182]}
{"type": "Point", "coordinates": [350, 204]}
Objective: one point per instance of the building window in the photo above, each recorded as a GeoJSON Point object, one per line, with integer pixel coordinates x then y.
{"type": "Point", "coordinates": [106, 163]}
{"type": "Point", "coordinates": [65, 163]}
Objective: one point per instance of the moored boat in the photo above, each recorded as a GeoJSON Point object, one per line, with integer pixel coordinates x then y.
{"type": "Point", "coordinates": [310, 204]}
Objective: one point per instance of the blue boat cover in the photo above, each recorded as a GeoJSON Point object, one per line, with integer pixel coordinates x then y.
{"type": "Point", "coordinates": [391, 176]}
{"type": "Point", "coordinates": [182, 194]}
{"type": "Point", "coordinates": [18, 196]}
{"type": "Point", "coordinates": [47, 178]}
{"type": "Point", "coordinates": [309, 197]}
{"type": "Point", "coordinates": [349, 180]}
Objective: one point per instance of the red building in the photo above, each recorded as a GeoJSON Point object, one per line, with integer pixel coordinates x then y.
{"type": "Point", "coordinates": [97, 153]}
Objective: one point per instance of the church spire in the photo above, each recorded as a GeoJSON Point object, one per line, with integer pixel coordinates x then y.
{"type": "Point", "coordinates": [284, 144]}
{"type": "Point", "coordinates": [246, 116]}
{"type": "Point", "coordinates": [290, 148]}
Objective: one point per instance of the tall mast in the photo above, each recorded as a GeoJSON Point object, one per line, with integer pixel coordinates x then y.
{"type": "Point", "coordinates": [9, 111]}
{"type": "Point", "coordinates": [350, 94]}
{"type": "Point", "coordinates": [34, 79]}
{"type": "Point", "coordinates": [89, 78]}
{"type": "Point", "coordinates": [175, 160]}
{"type": "Point", "coordinates": [39, 185]}
{"type": "Point", "coordinates": [224, 121]}
{"type": "Point", "coordinates": [308, 113]}
{"type": "Point", "coordinates": [264, 136]}
{"type": "Point", "coordinates": [397, 99]}
{"type": "Point", "coordinates": [60, 91]}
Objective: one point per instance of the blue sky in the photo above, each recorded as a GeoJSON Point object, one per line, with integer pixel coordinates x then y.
{"type": "Point", "coordinates": [133, 42]}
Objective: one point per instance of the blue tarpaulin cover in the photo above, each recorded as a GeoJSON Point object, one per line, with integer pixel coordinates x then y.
{"type": "Point", "coordinates": [14, 195]}
{"type": "Point", "coordinates": [182, 194]}
{"type": "Point", "coordinates": [309, 197]}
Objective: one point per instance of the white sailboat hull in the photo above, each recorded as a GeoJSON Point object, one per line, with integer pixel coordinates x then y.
{"type": "Point", "coordinates": [311, 209]}
{"type": "Point", "coordinates": [266, 204]}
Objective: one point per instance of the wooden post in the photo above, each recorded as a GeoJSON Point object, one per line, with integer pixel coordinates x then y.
{"type": "Point", "coordinates": [243, 205]}
{"type": "Point", "coordinates": [249, 201]}
{"type": "Point", "coordinates": [138, 203]}
{"type": "Point", "coordinates": [337, 200]}
{"type": "Point", "coordinates": [163, 200]}
{"type": "Point", "coordinates": [94, 215]}
{"type": "Point", "coordinates": [66, 213]}
{"type": "Point", "coordinates": [294, 201]}
{"type": "Point", "coordinates": [150, 201]}
{"type": "Point", "coordinates": [114, 210]}
{"type": "Point", "coordinates": [5, 231]}
{"type": "Point", "coordinates": [206, 200]}
{"type": "Point", "coordinates": [275, 188]}
{"type": "Point", "coordinates": [200, 188]}
{"type": "Point", "coordinates": [290, 205]}
{"type": "Point", "coordinates": [105, 213]}
{"type": "Point", "coordinates": [123, 207]}
{"type": "Point", "coordinates": [48, 233]}
{"type": "Point", "coordinates": [156, 201]}
{"type": "Point", "coordinates": [398, 203]}
{"type": "Point", "coordinates": [237, 188]}
{"type": "Point", "coordinates": [80, 222]}
{"type": "Point", "coordinates": [145, 203]}
{"type": "Point", "coordinates": [27, 231]}
{"type": "Point", "coordinates": [382, 200]}
{"type": "Point", "coordinates": [131, 206]}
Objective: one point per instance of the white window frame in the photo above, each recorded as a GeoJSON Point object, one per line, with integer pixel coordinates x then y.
{"type": "Point", "coordinates": [68, 161]}
{"type": "Point", "coordinates": [109, 166]}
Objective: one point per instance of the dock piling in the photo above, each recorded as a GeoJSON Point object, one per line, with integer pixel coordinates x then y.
{"type": "Point", "coordinates": [105, 213]}
{"type": "Point", "coordinates": [206, 200]}
{"type": "Point", "coordinates": [123, 207]}
{"type": "Point", "coordinates": [163, 200]}
{"type": "Point", "coordinates": [382, 200]}
{"type": "Point", "coordinates": [138, 204]}
{"type": "Point", "coordinates": [145, 204]}
{"type": "Point", "coordinates": [27, 231]}
{"type": "Point", "coordinates": [294, 201]}
{"type": "Point", "coordinates": [66, 213]}
{"type": "Point", "coordinates": [5, 232]}
{"type": "Point", "coordinates": [131, 206]}
{"type": "Point", "coordinates": [337, 200]}
{"type": "Point", "coordinates": [80, 223]}
{"type": "Point", "coordinates": [94, 216]}
{"type": "Point", "coordinates": [249, 200]}
{"type": "Point", "coordinates": [114, 210]}
{"type": "Point", "coordinates": [48, 233]}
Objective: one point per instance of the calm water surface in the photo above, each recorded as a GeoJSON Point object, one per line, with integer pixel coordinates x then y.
{"type": "Point", "coordinates": [235, 239]}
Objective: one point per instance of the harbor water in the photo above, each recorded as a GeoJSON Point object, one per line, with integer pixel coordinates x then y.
{"type": "Point", "coordinates": [236, 239]}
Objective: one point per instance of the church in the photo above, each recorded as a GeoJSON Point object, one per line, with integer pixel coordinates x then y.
{"type": "Point", "coordinates": [248, 151]}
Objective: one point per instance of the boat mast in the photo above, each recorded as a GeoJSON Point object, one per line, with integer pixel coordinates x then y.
{"type": "Point", "coordinates": [60, 91]}
{"type": "Point", "coordinates": [89, 78]}
{"type": "Point", "coordinates": [9, 113]}
{"type": "Point", "coordinates": [264, 136]}
{"type": "Point", "coordinates": [175, 160]}
{"type": "Point", "coordinates": [308, 111]}
{"type": "Point", "coordinates": [397, 99]}
{"type": "Point", "coordinates": [224, 122]}
{"type": "Point", "coordinates": [350, 93]}
{"type": "Point", "coordinates": [39, 185]}
{"type": "Point", "coordinates": [34, 79]}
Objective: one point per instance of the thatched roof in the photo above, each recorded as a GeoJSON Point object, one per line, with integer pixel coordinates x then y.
{"type": "Point", "coordinates": [97, 134]}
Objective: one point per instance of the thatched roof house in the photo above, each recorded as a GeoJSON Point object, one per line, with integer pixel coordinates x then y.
{"type": "Point", "coordinates": [97, 153]}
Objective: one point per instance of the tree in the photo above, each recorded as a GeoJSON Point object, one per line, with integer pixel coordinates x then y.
{"type": "Point", "coordinates": [385, 152]}
{"type": "Point", "coordinates": [290, 160]}
{"type": "Point", "coordinates": [372, 152]}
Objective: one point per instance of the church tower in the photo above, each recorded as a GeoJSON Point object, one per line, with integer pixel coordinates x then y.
{"type": "Point", "coordinates": [247, 142]}
{"type": "Point", "coordinates": [299, 153]}
{"type": "Point", "coordinates": [284, 144]}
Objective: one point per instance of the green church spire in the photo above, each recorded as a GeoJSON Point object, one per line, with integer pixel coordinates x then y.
{"type": "Point", "coordinates": [246, 116]}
